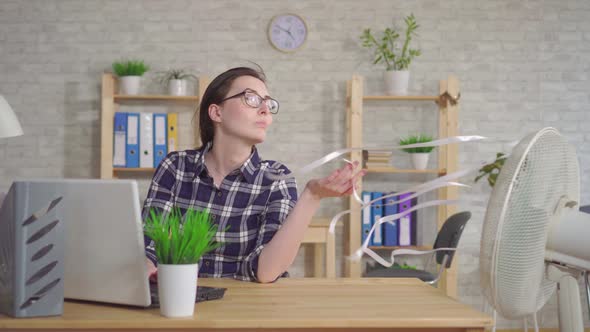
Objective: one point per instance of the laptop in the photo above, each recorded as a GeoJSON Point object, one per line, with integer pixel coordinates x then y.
{"type": "Point", "coordinates": [104, 249]}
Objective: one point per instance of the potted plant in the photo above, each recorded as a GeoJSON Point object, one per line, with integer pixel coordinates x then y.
{"type": "Point", "coordinates": [130, 73]}
{"type": "Point", "coordinates": [180, 242]}
{"type": "Point", "coordinates": [492, 170]}
{"type": "Point", "coordinates": [386, 50]}
{"type": "Point", "coordinates": [419, 156]}
{"type": "Point", "coordinates": [176, 80]}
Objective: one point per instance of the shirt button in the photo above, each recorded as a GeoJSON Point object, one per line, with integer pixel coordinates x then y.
{"type": "Point", "coordinates": [207, 263]}
{"type": "Point", "coordinates": [219, 194]}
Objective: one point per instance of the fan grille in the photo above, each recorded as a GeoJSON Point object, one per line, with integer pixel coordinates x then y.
{"type": "Point", "coordinates": [541, 169]}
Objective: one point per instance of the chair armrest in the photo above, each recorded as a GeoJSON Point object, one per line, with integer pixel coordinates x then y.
{"type": "Point", "coordinates": [416, 253]}
{"type": "Point", "coordinates": [412, 252]}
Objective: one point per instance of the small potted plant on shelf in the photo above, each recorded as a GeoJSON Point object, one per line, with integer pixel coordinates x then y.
{"type": "Point", "coordinates": [176, 80]}
{"type": "Point", "coordinates": [180, 242]}
{"type": "Point", "coordinates": [419, 156]}
{"type": "Point", "coordinates": [387, 51]}
{"type": "Point", "coordinates": [129, 73]}
{"type": "Point", "coordinates": [492, 169]}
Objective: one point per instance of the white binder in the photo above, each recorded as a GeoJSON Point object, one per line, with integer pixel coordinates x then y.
{"type": "Point", "coordinates": [146, 140]}
{"type": "Point", "coordinates": [405, 237]}
{"type": "Point", "coordinates": [119, 142]}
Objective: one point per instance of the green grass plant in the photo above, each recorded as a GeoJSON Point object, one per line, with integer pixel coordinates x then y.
{"type": "Point", "coordinates": [181, 239]}
{"type": "Point", "coordinates": [130, 68]}
{"type": "Point", "coordinates": [415, 139]}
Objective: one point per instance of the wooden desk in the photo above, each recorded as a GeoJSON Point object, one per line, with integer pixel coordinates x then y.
{"type": "Point", "coordinates": [324, 247]}
{"type": "Point", "coordinates": [307, 304]}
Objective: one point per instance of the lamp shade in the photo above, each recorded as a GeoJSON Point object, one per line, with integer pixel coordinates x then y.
{"type": "Point", "coordinates": [9, 125]}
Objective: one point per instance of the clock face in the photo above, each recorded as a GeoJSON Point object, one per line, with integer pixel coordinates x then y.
{"type": "Point", "coordinates": [287, 32]}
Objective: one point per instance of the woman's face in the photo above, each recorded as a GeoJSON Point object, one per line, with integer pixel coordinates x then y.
{"type": "Point", "coordinates": [240, 120]}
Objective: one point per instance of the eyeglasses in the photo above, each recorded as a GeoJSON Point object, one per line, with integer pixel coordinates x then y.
{"type": "Point", "coordinates": [254, 100]}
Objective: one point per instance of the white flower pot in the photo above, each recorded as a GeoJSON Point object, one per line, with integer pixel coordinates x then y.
{"type": "Point", "coordinates": [177, 87]}
{"type": "Point", "coordinates": [396, 82]}
{"type": "Point", "coordinates": [419, 160]}
{"type": "Point", "coordinates": [129, 85]}
{"type": "Point", "coordinates": [177, 286]}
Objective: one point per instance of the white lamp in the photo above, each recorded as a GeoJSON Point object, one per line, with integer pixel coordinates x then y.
{"type": "Point", "coordinates": [9, 125]}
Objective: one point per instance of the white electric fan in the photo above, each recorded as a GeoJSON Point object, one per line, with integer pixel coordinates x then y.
{"type": "Point", "coordinates": [534, 236]}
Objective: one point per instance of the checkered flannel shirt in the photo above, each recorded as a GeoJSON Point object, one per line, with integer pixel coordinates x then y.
{"type": "Point", "coordinates": [248, 207]}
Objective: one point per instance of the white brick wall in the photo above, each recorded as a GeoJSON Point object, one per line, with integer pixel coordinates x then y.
{"type": "Point", "coordinates": [522, 66]}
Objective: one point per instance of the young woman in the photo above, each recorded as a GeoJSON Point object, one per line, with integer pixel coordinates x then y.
{"type": "Point", "coordinates": [261, 221]}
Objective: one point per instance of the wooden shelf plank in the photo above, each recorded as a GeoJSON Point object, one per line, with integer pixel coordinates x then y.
{"type": "Point", "coordinates": [156, 97]}
{"type": "Point", "coordinates": [386, 169]}
{"type": "Point", "coordinates": [136, 170]}
{"type": "Point", "coordinates": [407, 98]}
{"type": "Point", "coordinates": [400, 247]}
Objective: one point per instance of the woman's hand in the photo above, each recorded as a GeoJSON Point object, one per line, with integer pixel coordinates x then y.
{"type": "Point", "coordinates": [340, 183]}
{"type": "Point", "coordinates": [152, 271]}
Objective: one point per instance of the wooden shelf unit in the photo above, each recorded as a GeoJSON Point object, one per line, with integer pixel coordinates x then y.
{"type": "Point", "coordinates": [385, 169]}
{"type": "Point", "coordinates": [109, 106]}
{"type": "Point", "coordinates": [402, 98]}
{"type": "Point", "coordinates": [134, 170]}
{"type": "Point", "coordinates": [156, 97]}
{"type": "Point", "coordinates": [375, 248]}
{"type": "Point", "coordinates": [448, 109]}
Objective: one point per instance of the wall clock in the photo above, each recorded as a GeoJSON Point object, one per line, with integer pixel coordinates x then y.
{"type": "Point", "coordinates": [287, 32]}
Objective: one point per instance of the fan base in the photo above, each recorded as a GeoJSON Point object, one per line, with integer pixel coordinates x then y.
{"type": "Point", "coordinates": [568, 298]}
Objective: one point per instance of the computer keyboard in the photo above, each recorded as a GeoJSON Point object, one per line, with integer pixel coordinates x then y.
{"type": "Point", "coordinates": [204, 293]}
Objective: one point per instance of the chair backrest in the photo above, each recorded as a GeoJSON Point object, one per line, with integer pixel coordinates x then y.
{"type": "Point", "coordinates": [449, 235]}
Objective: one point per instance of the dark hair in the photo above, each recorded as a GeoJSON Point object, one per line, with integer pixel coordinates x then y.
{"type": "Point", "coordinates": [214, 94]}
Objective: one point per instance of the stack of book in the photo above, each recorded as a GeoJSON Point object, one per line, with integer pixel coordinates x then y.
{"type": "Point", "coordinates": [375, 159]}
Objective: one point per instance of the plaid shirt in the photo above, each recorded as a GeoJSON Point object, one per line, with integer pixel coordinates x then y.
{"type": "Point", "coordinates": [250, 204]}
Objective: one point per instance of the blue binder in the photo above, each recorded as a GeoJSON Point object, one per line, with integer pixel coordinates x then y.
{"type": "Point", "coordinates": [160, 140]}
{"type": "Point", "coordinates": [132, 146]}
{"type": "Point", "coordinates": [119, 140]}
{"type": "Point", "coordinates": [390, 229]}
{"type": "Point", "coordinates": [366, 216]}
{"type": "Point", "coordinates": [376, 214]}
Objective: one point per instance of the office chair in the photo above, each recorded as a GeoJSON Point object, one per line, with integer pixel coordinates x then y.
{"type": "Point", "coordinates": [447, 237]}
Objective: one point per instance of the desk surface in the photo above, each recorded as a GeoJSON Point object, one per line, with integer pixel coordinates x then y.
{"type": "Point", "coordinates": [297, 304]}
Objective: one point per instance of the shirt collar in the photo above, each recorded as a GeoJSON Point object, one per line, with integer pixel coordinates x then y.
{"type": "Point", "coordinates": [200, 162]}
{"type": "Point", "coordinates": [248, 169]}
{"type": "Point", "coordinates": [250, 166]}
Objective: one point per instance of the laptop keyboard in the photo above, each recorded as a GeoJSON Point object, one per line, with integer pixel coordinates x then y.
{"type": "Point", "coordinates": [204, 293]}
